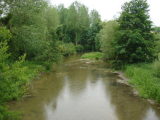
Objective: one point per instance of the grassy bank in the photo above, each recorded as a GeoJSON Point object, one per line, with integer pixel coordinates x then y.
{"type": "Point", "coordinates": [146, 79]}
{"type": "Point", "coordinates": [14, 82]}
{"type": "Point", "coordinates": [92, 55]}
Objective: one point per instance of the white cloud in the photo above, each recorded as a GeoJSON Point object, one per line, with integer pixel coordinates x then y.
{"type": "Point", "coordinates": [108, 9]}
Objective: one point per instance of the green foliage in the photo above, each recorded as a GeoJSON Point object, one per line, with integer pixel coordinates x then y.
{"type": "Point", "coordinates": [6, 115]}
{"type": "Point", "coordinates": [92, 44]}
{"type": "Point", "coordinates": [52, 19]}
{"type": "Point", "coordinates": [77, 21]}
{"type": "Point", "coordinates": [14, 78]}
{"type": "Point", "coordinates": [3, 53]}
{"type": "Point", "coordinates": [135, 42]}
{"type": "Point", "coordinates": [88, 38]}
{"type": "Point", "coordinates": [156, 29]}
{"type": "Point", "coordinates": [143, 78]}
{"type": "Point", "coordinates": [4, 34]}
{"type": "Point", "coordinates": [34, 26]}
{"type": "Point", "coordinates": [156, 68]}
{"type": "Point", "coordinates": [79, 48]}
{"type": "Point", "coordinates": [157, 42]}
{"type": "Point", "coordinates": [41, 34]}
{"type": "Point", "coordinates": [107, 37]}
{"type": "Point", "coordinates": [92, 55]}
{"type": "Point", "coordinates": [66, 49]}
{"type": "Point", "coordinates": [28, 39]}
{"type": "Point", "coordinates": [78, 26]}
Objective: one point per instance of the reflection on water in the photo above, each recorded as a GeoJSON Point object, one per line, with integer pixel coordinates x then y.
{"type": "Point", "coordinates": [81, 91]}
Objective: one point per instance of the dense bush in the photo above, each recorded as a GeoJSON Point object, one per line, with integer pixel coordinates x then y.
{"type": "Point", "coordinates": [66, 49]}
{"type": "Point", "coordinates": [4, 34]}
{"type": "Point", "coordinates": [14, 78]}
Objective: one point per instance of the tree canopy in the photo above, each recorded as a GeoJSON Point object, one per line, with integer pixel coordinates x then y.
{"type": "Point", "coordinates": [135, 42]}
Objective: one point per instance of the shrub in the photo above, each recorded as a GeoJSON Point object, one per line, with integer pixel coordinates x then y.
{"type": "Point", "coordinates": [92, 55]}
{"type": "Point", "coordinates": [66, 49]}
{"type": "Point", "coordinates": [14, 78]}
{"type": "Point", "coordinates": [4, 34]}
{"type": "Point", "coordinates": [79, 48]}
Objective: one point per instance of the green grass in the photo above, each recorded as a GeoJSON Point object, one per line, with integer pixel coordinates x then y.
{"type": "Point", "coordinates": [144, 78]}
{"type": "Point", "coordinates": [92, 55]}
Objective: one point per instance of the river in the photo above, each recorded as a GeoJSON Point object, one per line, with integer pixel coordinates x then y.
{"type": "Point", "coordinates": [82, 90]}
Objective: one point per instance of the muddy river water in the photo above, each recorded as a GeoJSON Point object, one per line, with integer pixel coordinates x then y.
{"type": "Point", "coordinates": [80, 90]}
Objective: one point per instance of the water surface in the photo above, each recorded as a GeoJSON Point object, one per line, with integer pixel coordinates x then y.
{"type": "Point", "coordinates": [80, 90]}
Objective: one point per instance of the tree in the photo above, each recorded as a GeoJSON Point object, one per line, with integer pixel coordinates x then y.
{"type": "Point", "coordinates": [135, 42]}
{"type": "Point", "coordinates": [33, 25]}
{"type": "Point", "coordinates": [107, 37]}
{"type": "Point", "coordinates": [89, 35]}
{"type": "Point", "coordinates": [78, 21]}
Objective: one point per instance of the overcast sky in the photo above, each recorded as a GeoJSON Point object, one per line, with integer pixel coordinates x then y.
{"type": "Point", "coordinates": [109, 9]}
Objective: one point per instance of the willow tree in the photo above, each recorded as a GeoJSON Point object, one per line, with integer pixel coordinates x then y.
{"type": "Point", "coordinates": [135, 42]}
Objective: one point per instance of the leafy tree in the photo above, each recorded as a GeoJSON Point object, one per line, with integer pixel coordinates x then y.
{"type": "Point", "coordinates": [62, 31]}
{"type": "Point", "coordinates": [89, 35]}
{"type": "Point", "coordinates": [52, 19]}
{"type": "Point", "coordinates": [78, 21]}
{"type": "Point", "coordinates": [135, 42]}
{"type": "Point", "coordinates": [33, 24]}
{"type": "Point", "coordinates": [107, 37]}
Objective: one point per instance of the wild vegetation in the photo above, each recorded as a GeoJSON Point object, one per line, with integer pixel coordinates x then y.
{"type": "Point", "coordinates": [93, 56]}
{"type": "Point", "coordinates": [35, 35]}
{"type": "Point", "coordinates": [131, 43]}
{"type": "Point", "coordinates": [145, 78]}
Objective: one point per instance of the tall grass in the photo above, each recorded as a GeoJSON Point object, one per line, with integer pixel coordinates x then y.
{"type": "Point", "coordinates": [144, 78]}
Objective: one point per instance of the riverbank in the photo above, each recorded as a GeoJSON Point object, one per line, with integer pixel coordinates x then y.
{"type": "Point", "coordinates": [134, 73]}
{"type": "Point", "coordinates": [145, 79]}
{"type": "Point", "coordinates": [91, 86]}
{"type": "Point", "coordinates": [15, 84]}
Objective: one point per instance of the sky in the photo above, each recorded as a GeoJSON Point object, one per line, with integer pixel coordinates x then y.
{"type": "Point", "coordinates": [109, 9]}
